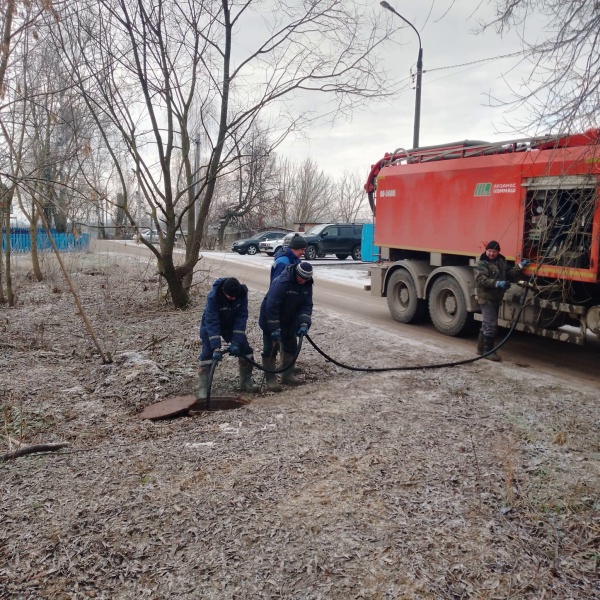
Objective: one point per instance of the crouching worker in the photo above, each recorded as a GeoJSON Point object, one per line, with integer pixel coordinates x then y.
{"type": "Point", "coordinates": [225, 316]}
{"type": "Point", "coordinates": [285, 313]}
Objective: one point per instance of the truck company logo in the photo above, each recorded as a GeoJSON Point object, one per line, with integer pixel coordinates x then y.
{"type": "Point", "coordinates": [487, 189]}
{"type": "Point", "coordinates": [483, 189]}
{"type": "Point", "coordinates": [504, 188]}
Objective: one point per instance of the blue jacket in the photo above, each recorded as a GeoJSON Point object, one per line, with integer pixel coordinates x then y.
{"type": "Point", "coordinates": [287, 304]}
{"type": "Point", "coordinates": [222, 317]}
{"type": "Point", "coordinates": [283, 259]}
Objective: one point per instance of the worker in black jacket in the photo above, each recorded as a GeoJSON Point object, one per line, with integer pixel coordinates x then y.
{"type": "Point", "coordinates": [493, 277]}
{"type": "Point", "coordinates": [285, 313]}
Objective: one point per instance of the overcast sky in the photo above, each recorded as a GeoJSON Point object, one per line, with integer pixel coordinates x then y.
{"type": "Point", "coordinates": [455, 102]}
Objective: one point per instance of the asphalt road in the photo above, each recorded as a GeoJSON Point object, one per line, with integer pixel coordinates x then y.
{"type": "Point", "coordinates": [579, 365]}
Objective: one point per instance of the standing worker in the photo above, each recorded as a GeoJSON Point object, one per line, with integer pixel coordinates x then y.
{"type": "Point", "coordinates": [493, 277]}
{"type": "Point", "coordinates": [225, 316]}
{"type": "Point", "coordinates": [285, 313]}
{"type": "Point", "coordinates": [291, 253]}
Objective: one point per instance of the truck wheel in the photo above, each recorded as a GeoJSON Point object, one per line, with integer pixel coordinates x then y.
{"type": "Point", "coordinates": [448, 307]}
{"type": "Point", "coordinates": [311, 252]}
{"type": "Point", "coordinates": [342, 256]}
{"type": "Point", "coordinates": [403, 303]}
{"type": "Point", "coordinates": [356, 253]}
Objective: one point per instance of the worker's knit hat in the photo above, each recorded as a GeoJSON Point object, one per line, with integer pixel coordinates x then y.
{"type": "Point", "coordinates": [493, 245]}
{"type": "Point", "coordinates": [297, 242]}
{"type": "Point", "coordinates": [304, 270]}
{"type": "Point", "coordinates": [232, 287]}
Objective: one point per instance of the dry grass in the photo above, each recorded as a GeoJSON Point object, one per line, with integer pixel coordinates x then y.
{"type": "Point", "coordinates": [458, 483]}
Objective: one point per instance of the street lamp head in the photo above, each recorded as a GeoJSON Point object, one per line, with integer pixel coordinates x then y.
{"type": "Point", "coordinates": [386, 5]}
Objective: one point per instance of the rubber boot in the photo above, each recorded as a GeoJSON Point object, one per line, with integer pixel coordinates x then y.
{"type": "Point", "coordinates": [246, 383]}
{"type": "Point", "coordinates": [488, 344]}
{"type": "Point", "coordinates": [202, 387]}
{"type": "Point", "coordinates": [287, 376]}
{"type": "Point", "coordinates": [480, 344]}
{"type": "Point", "coordinates": [295, 369]}
{"type": "Point", "coordinates": [270, 362]}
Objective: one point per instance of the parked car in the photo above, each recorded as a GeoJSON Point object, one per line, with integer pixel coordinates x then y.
{"type": "Point", "coordinates": [250, 245]}
{"type": "Point", "coordinates": [152, 235]}
{"type": "Point", "coordinates": [271, 246]}
{"type": "Point", "coordinates": [341, 239]}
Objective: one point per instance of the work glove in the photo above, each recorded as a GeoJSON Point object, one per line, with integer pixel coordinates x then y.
{"type": "Point", "coordinates": [524, 263]}
{"type": "Point", "coordinates": [303, 330]}
{"type": "Point", "coordinates": [218, 354]}
{"type": "Point", "coordinates": [276, 335]}
{"type": "Point", "coordinates": [234, 349]}
{"type": "Point", "coordinates": [503, 285]}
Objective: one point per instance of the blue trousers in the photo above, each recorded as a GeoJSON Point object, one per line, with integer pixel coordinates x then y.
{"type": "Point", "coordinates": [207, 352]}
{"type": "Point", "coordinates": [289, 343]}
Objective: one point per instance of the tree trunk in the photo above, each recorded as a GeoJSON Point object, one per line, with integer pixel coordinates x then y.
{"type": "Point", "coordinates": [35, 258]}
{"type": "Point", "coordinates": [9, 288]}
{"type": "Point", "coordinates": [178, 286]}
{"type": "Point", "coordinates": [2, 297]}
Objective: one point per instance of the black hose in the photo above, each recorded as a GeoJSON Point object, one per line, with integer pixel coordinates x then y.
{"type": "Point", "coordinates": [210, 379]}
{"type": "Point", "coordinates": [432, 366]}
{"type": "Point", "coordinates": [285, 368]}
{"type": "Point", "coordinates": [382, 369]}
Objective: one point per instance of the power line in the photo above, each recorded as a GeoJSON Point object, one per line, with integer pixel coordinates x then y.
{"type": "Point", "coordinates": [475, 62]}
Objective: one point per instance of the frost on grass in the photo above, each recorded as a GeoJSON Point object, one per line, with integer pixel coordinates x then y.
{"type": "Point", "coordinates": [471, 482]}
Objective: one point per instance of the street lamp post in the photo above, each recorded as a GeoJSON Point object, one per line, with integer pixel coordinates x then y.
{"type": "Point", "coordinates": [387, 6]}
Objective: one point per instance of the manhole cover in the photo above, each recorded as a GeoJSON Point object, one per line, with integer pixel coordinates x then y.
{"type": "Point", "coordinates": [170, 407]}
{"type": "Point", "coordinates": [181, 405]}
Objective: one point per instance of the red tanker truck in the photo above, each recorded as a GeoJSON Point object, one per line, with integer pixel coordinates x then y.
{"type": "Point", "coordinates": [436, 208]}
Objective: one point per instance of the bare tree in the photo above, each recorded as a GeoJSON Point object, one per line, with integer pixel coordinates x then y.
{"type": "Point", "coordinates": [283, 200]}
{"type": "Point", "coordinates": [160, 69]}
{"type": "Point", "coordinates": [311, 194]}
{"type": "Point", "coordinates": [43, 132]}
{"type": "Point", "coordinates": [350, 197]}
{"type": "Point", "coordinates": [251, 186]}
{"type": "Point", "coordinates": [563, 90]}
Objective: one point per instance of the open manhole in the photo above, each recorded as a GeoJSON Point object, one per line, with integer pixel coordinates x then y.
{"type": "Point", "coordinates": [179, 406]}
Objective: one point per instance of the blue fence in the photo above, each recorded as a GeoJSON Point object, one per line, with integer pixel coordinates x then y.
{"type": "Point", "coordinates": [20, 241]}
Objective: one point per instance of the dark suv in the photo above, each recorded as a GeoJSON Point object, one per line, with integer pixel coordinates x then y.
{"type": "Point", "coordinates": [250, 245]}
{"type": "Point", "coordinates": [341, 239]}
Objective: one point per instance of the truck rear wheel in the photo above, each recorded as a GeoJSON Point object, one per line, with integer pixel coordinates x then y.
{"type": "Point", "coordinates": [448, 307]}
{"type": "Point", "coordinates": [403, 303]}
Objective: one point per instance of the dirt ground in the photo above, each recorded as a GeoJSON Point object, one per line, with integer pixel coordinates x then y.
{"type": "Point", "coordinates": [475, 482]}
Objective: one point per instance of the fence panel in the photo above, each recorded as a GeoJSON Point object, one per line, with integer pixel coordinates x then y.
{"type": "Point", "coordinates": [20, 241]}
